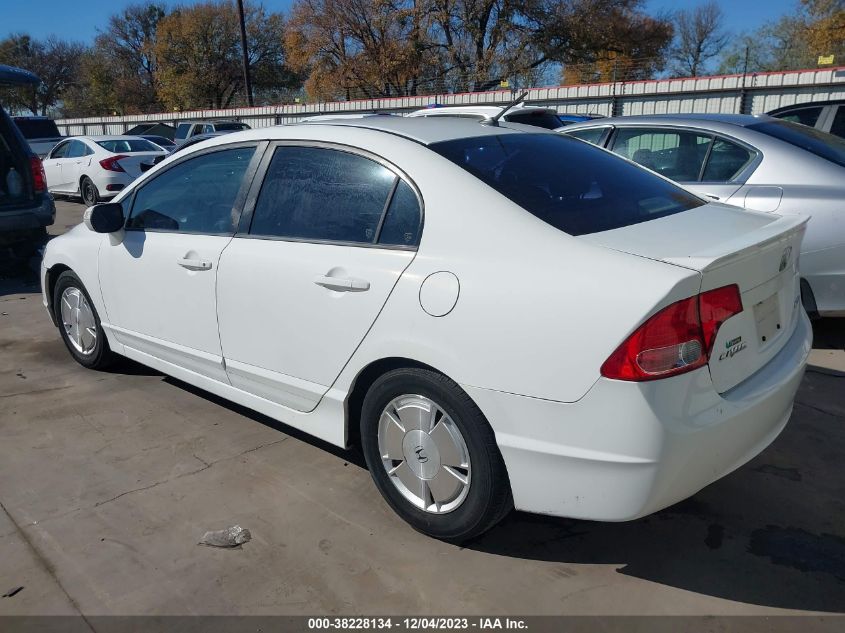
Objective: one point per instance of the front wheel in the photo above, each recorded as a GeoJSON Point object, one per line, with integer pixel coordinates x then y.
{"type": "Point", "coordinates": [433, 456]}
{"type": "Point", "coordinates": [79, 324]}
{"type": "Point", "coordinates": [90, 194]}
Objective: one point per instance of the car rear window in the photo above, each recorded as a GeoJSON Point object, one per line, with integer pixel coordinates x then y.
{"type": "Point", "coordinates": [37, 128]}
{"type": "Point", "coordinates": [537, 118]}
{"type": "Point", "coordinates": [128, 146]}
{"type": "Point", "coordinates": [572, 186]}
{"type": "Point", "coordinates": [228, 127]}
{"type": "Point", "coordinates": [815, 141]}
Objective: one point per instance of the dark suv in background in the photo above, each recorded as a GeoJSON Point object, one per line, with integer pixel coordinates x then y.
{"type": "Point", "coordinates": [26, 209]}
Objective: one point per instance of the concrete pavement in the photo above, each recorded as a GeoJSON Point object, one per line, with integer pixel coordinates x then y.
{"type": "Point", "coordinates": [108, 480]}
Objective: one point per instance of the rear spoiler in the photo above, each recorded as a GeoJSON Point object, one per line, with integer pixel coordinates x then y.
{"type": "Point", "coordinates": [736, 250]}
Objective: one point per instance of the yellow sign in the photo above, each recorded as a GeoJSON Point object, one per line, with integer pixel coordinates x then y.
{"type": "Point", "coordinates": [825, 59]}
{"type": "Point", "coordinates": [504, 84]}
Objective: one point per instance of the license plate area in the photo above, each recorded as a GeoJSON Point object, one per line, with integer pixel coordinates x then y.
{"type": "Point", "coordinates": [768, 319]}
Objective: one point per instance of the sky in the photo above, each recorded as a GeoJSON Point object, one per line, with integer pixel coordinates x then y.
{"type": "Point", "coordinates": [65, 19]}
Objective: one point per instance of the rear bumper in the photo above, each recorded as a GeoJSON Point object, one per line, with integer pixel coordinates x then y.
{"type": "Point", "coordinates": [35, 217]}
{"type": "Point", "coordinates": [627, 449]}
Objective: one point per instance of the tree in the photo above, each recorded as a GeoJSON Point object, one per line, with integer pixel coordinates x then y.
{"type": "Point", "coordinates": [198, 54]}
{"type": "Point", "coordinates": [54, 60]}
{"type": "Point", "coordinates": [794, 41]}
{"type": "Point", "coordinates": [699, 37]}
{"type": "Point", "coordinates": [360, 48]}
{"type": "Point", "coordinates": [380, 48]}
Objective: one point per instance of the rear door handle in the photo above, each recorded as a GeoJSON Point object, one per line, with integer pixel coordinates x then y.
{"type": "Point", "coordinates": [194, 264]}
{"type": "Point", "coordinates": [342, 284]}
{"type": "Point", "coordinates": [710, 195]}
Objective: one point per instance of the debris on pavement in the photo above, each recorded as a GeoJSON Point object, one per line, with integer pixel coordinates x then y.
{"type": "Point", "coordinates": [13, 591]}
{"type": "Point", "coordinates": [230, 537]}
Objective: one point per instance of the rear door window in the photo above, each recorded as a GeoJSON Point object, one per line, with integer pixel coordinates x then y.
{"type": "Point", "coordinates": [182, 130]}
{"type": "Point", "coordinates": [726, 161]}
{"type": "Point", "coordinates": [320, 194]}
{"type": "Point", "coordinates": [676, 154]}
{"type": "Point", "coordinates": [61, 150]}
{"type": "Point", "coordinates": [538, 118]}
{"type": "Point", "coordinates": [570, 185]}
{"type": "Point", "coordinates": [76, 149]}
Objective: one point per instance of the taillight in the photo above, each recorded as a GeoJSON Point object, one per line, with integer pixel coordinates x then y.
{"type": "Point", "coordinates": [111, 163]}
{"type": "Point", "coordinates": [39, 178]}
{"type": "Point", "coordinates": [676, 340]}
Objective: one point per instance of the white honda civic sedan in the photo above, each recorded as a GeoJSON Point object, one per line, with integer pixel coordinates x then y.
{"type": "Point", "coordinates": [500, 318]}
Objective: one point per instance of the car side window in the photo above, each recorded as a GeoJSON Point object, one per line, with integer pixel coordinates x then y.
{"type": "Point", "coordinates": [76, 150]}
{"type": "Point", "coordinates": [804, 116]}
{"type": "Point", "coordinates": [592, 135]}
{"type": "Point", "coordinates": [194, 196]}
{"type": "Point", "coordinates": [401, 226]}
{"type": "Point", "coordinates": [60, 151]}
{"type": "Point", "coordinates": [726, 161]}
{"type": "Point", "coordinates": [320, 194]}
{"type": "Point", "coordinates": [182, 130]}
{"type": "Point", "coordinates": [205, 129]}
{"type": "Point", "coordinates": [676, 154]}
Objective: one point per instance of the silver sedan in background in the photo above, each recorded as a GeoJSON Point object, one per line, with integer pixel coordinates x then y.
{"type": "Point", "coordinates": [756, 162]}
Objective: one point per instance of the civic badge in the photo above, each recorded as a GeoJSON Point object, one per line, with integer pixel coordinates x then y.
{"type": "Point", "coordinates": [784, 259]}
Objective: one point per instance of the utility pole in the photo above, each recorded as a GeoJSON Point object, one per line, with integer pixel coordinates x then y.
{"type": "Point", "coordinates": [247, 80]}
{"type": "Point", "coordinates": [743, 94]}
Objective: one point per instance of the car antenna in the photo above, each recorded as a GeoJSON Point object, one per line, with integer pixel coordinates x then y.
{"type": "Point", "coordinates": [494, 120]}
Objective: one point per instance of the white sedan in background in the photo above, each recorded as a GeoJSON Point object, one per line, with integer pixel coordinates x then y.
{"type": "Point", "coordinates": [500, 318]}
{"type": "Point", "coordinates": [97, 167]}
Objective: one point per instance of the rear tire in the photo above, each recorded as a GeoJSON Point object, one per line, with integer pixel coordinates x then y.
{"type": "Point", "coordinates": [79, 323]}
{"type": "Point", "coordinates": [433, 456]}
{"type": "Point", "coordinates": [88, 190]}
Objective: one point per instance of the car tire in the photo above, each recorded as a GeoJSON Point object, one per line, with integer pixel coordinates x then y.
{"type": "Point", "coordinates": [79, 324]}
{"type": "Point", "coordinates": [443, 499]}
{"type": "Point", "coordinates": [89, 192]}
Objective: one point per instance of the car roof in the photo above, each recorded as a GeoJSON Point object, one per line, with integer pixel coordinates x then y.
{"type": "Point", "coordinates": [425, 130]}
{"type": "Point", "coordinates": [209, 121]}
{"type": "Point", "coordinates": [11, 75]}
{"type": "Point", "coordinates": [484, 110]}
{"type": "Point", "coordinates": [716, 122]}
{"type": "Point", "coordinates": [107, 137]}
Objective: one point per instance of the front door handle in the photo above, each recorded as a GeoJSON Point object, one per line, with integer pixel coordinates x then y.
{"type": "Point", "coordinates": [710, 195]}
{"type": "Point", "coordinates": [342, 284]}
{"type": "Point", "coordinates": [194, 264]}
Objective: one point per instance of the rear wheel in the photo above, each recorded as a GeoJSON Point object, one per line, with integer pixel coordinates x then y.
{"type": "Point", "coordinates": [89, 191]}
{"type": "Point", "coordinates": [79, 324]}
{"type": "Point", "coordinates": [433, 456]}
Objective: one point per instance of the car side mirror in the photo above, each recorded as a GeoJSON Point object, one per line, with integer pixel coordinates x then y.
{"type": "Point", "coordinates": [104, 218]}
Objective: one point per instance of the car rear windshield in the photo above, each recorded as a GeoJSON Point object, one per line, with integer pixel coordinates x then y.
{"type": "Point", "coordinates": [571, 185]}
{"type": "Point", "coordinates": [37, 128]}
{"type": "Point", "coordinates": [128, 145]}
{"type": "Point", "coordinates": [815, 141]}
{"type": "Point", "coordinates": [537, 118]}
{"type": "Point", "coordinates": [229, 127]}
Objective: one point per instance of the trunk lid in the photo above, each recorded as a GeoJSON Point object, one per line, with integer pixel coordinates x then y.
{"type": "Point", "coordinates": [132, 163]}
{"type": "Point", "coordinates": [756, 251]}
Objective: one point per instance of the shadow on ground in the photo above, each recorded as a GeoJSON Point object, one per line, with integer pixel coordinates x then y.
{"type": "Point", "coordinates": [829, 334]}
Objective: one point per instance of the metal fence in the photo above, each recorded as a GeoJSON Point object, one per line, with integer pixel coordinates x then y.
{"type": "Point", "coordinates": [741, 93]}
